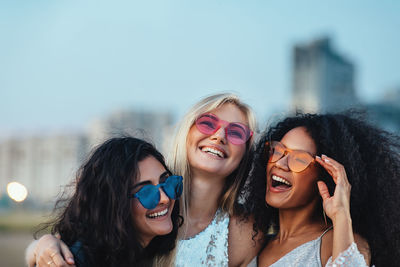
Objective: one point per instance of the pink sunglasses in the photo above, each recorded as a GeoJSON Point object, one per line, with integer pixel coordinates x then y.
{"type": "Point", "coordinates": [236, 133]}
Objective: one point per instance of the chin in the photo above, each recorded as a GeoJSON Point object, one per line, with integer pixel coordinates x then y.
{"type": "Point", "coordinates": [274, 202]}
{"type": "Point", "coordinates": [164, 230]}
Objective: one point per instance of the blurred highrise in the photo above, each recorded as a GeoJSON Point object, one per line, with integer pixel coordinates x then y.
{"type": "Point", "coordinates": [386, 112]}
{"type": "Point", "coordinates": [41, 163]}
{"type": "Point", "coordinates": [44, 164]}
{"type": "Point", "coordinates": [323, 80]}
{"type": "Point", "coordinates": [150, 125]}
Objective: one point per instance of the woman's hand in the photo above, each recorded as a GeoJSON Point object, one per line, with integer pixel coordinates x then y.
{"type": "Point", "coordinates": [50, 251]}
{"type": "Point", "coordinates": [337, 205]}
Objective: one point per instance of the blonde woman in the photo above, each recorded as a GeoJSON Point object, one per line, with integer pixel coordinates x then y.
{"type": "Point", "coordinates": [211, 150]}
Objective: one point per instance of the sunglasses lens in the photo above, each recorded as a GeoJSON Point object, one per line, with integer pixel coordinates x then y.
{"type": "Point", "coordinates": [173, 187]}
{"type": "Point", "coordinates": [149, 196]}
{"type": "Point", "coordinates": [237, 134]}
{"type": "Point", "coordinates": [207, 123]}
{"type": "Point", "coordinates": [277, 151]}
{"type": "Point", "coordinates": [299, 161]}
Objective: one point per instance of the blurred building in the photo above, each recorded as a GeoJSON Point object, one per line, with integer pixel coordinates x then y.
{"type": "Point", "coordinates": [386, 113]}
{"type": "Point", "coordinates": [153, 126]}
{"type": "Point", "coordinates": [42, 163]}
{"type": "Point", "coordinates": [323, 80]}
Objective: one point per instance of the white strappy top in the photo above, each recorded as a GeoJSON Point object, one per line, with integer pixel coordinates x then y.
{"type": "Point", "coordinates": [207, 248]}
{"type": "Point", "coordinates": [309, 254]}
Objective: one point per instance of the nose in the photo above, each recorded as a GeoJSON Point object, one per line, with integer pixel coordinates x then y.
{"type": "Point", "coordinates": [282, 163]}
{"type": "Point", "coordinates": [219, 135]}
{"type": "Point", "coordinates": [164, 199]}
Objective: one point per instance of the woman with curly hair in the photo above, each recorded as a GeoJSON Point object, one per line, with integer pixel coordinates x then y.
{"type": "Point", "coordinates": [123, 210]}
{"type": "Point", "coordinates": [289, 177]}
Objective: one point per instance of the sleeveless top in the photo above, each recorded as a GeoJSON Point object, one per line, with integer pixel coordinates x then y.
{"type": "Point", "coordinates": [207, 248]}
{"type": "Point", "coordinates": [309, 254]}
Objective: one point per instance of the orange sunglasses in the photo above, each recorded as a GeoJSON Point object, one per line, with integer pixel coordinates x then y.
{"type": "Point", "coordinates": [298, 160]}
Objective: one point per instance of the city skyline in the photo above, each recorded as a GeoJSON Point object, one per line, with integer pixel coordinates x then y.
{"type": "Point", "coordinates": [66, 63]}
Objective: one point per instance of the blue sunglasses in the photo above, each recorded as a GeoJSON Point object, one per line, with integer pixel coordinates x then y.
{"type": "Point", "coordinates": [149, 195]}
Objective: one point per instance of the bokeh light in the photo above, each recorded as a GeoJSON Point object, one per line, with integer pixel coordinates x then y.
{"type": "Point", "coordinates": [17, 191]}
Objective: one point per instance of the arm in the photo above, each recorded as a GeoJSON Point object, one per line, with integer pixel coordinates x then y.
{"type": "Point", "coordinates": [337, 207]}
{"type": "Point", "coordinates": [30, 254]}
{"type": "Point", "coordinates": [48, 250]}
{"type": "Point", "coordinates": [242, 248]}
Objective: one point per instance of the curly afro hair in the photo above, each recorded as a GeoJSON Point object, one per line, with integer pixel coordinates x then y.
{"type": "Point", "coordinates": [371, 158]}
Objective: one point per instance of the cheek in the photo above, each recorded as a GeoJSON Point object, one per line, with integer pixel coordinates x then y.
{"type": "Point", "coordinates": [308, 182]}
{"type": "Point", "coordinates": [193, 136]}
{"type": "Point", "coordinates": [238, 152]}
{"type": "Point", "coordinates": [138, 212]}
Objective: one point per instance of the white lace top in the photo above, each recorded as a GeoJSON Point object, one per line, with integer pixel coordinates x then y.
{"type": "Point", "coordinates": [207, 248]}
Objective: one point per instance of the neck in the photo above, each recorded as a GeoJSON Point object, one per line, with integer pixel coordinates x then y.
{"type": "Point", "coordinates": [145, 241]}
{"type": "Point", "coordinates": [299, 221]}
{"type": "Point", "coordinates": [204, 197]}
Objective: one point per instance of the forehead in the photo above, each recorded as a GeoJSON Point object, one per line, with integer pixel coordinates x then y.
{"type": "Point", "coordinates": [299, 139]}
{"type": "Point", "coordinates": [150, 169]}
{"type": "Point", "coordinates": [230, 112]}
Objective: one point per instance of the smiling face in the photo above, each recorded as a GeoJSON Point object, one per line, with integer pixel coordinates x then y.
{"type": "Point", "coordinates": [212, 154]}
{"type": "Point", "coordinates": [157, 221]}
{"type": "Point", "coordinates": [285, 188]}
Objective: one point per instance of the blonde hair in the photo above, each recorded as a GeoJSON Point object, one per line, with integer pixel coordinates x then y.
{"type": "Point", "coordinates": [177, 159]}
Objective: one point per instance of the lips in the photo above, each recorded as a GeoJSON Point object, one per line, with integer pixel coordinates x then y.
{"type": "Point", "coordinates": [157, 214]}
{"type": "Point", "coordinates": [215, 151]}
{"type": "Point", "coordinates": [279, 184]}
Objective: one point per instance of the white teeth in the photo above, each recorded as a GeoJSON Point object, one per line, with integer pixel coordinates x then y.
{"type": "Point", "coordinates": [213, 151]}
{"type": "Point", "coordinates": [279, 179]}
{"type": "Point", "coordinates": [158, 214]}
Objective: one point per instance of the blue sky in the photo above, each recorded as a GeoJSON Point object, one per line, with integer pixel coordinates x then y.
{"type": "Point", "coordinates": [65, 62]}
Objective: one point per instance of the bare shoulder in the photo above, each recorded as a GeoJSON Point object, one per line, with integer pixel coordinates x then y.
{"type": "Point", "coordinates": [363, 247]}
{"type": "Point", "coordinates": [326, 247]}
{"type": "Point", "coordinates": [327, 244]}
{"type": "Point", "coordinates": [243, 247]}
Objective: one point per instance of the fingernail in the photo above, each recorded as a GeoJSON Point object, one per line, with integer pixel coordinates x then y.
{"type": "Point", "coordinates": [71, 260]}
{"type": "Point", "coordinates": [323, 155]}
{"type": "Point", "coordinates": [318, 157]}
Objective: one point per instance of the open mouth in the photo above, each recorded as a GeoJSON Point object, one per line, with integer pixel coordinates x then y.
{"type": "Point", "coordinates": [213, 151]}
{"type": "Point", "coordinates": [280, 183]}
{"type": "Point", "coordinates": [156, 215]}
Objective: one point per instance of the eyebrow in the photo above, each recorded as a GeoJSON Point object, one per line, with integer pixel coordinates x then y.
{"type": "Point", "coordinates": [237, 124]}
{"type": "Point", "coordinates": [164, 174]}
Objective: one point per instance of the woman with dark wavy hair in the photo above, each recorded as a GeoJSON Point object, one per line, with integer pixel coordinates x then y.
{"type": "Point", "coordinates": [118, 214]}
{"type": "Point", "coordinates": [284, 200]}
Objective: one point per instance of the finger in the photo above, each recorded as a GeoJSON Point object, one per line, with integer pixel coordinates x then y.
{"type": "Point", "coordinates": [50, 256]}
{"type": "Point", "coordinates": [59, 261]}
{"type": "Point", "coordinates": [328, 167]}
{"type": "Point", "coordinates": [45, 262]}
{"type": "Point", "coordinates": [339, 168]}
{"type": "Point", "coordinates": [323, 190]}
{"type": "Point", "coordinates": [68, 256]}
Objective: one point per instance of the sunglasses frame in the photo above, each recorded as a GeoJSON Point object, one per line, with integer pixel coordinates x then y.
{"type": "Point", "coordinates": [287, 152]}
{"type": "Point", "coordinates": [226, 124]}
{"type": "Point", "coordinates": [178, 191]}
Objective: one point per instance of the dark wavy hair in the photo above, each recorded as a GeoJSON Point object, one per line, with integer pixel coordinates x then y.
{"type": "Point", "coordinates": [99, 212]}
{"type": "Point", "coordinates": [371, 158]}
